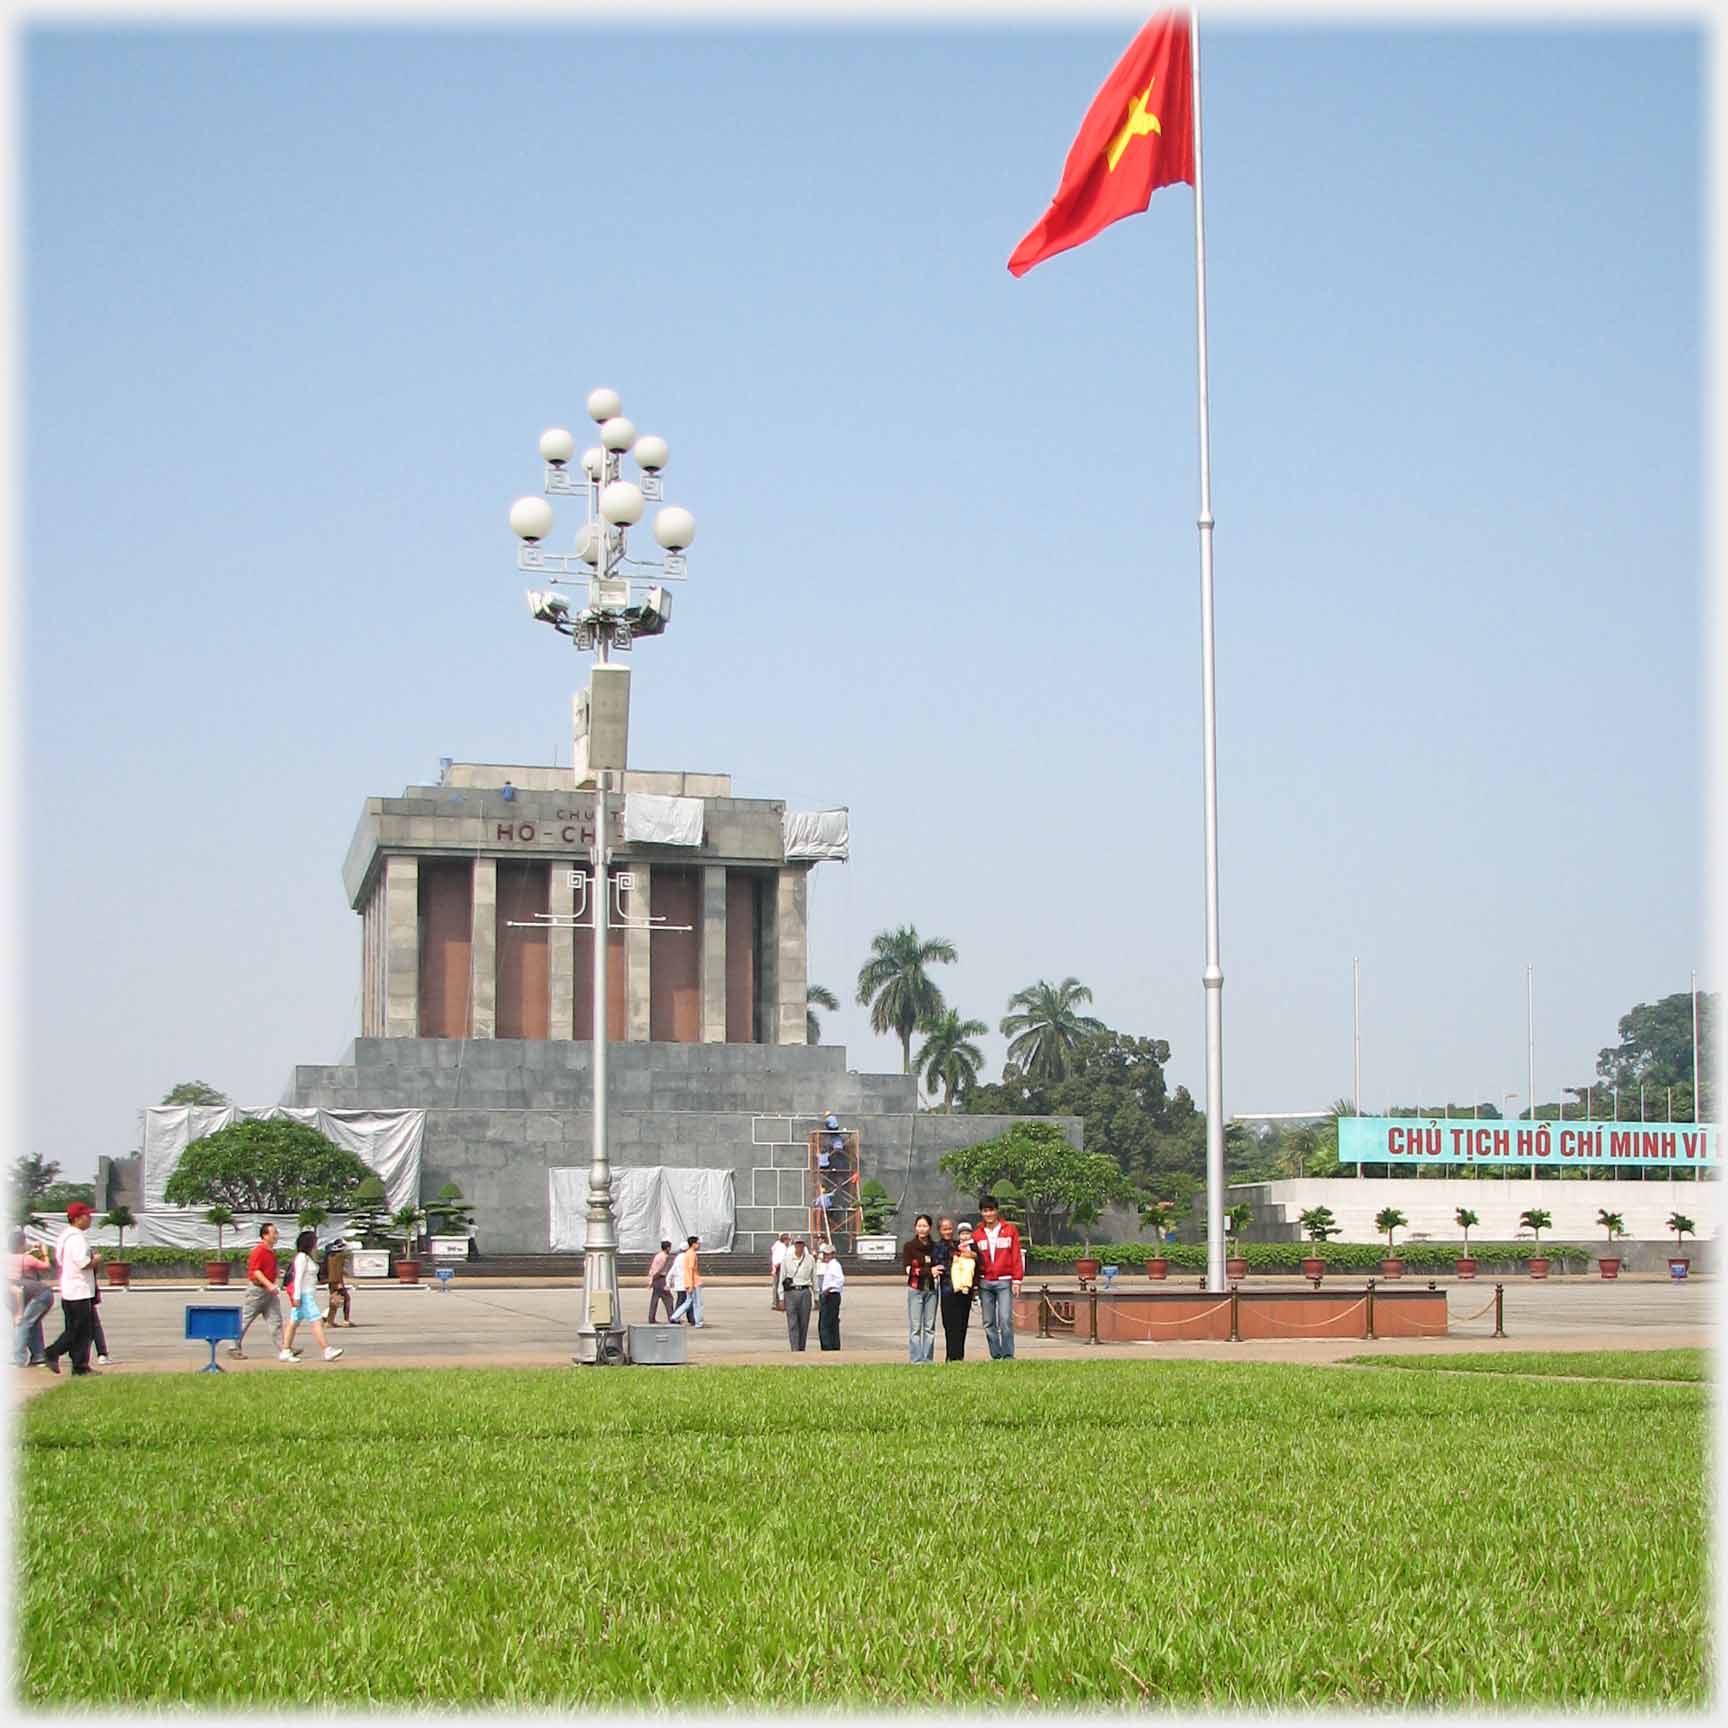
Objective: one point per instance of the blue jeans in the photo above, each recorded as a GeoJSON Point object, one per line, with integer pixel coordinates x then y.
{"type": "Point", "coordinates": [27, 1334]}
{"type": "Point", "coordinates": [998, 1298]}
{"type": "Point", "coordinates": [920, 1325]}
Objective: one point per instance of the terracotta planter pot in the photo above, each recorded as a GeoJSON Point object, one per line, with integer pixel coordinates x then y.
{"type": "Point", "coordinates": [407, 1271]}
{"type": "Point", "coordinates": [1235, 1268]}
{"type": "Point", "coordinates": [1609, 1268]}
{"type": "Point", "coordinates": [1465, 1268]}
{"type": "Point", "coordinates": [1157, 1268]}
{"type": "Point", "coordinates": [1538, 1266]}
{"type": "Point", "coordinates": [1392, 1267]}
{"type": "Point", "coordinates": [119, 1273]}
{"type": "Point", "coordinates": [1678, 1266]}
{"type": "Point", "coordinates": [1313, 1268]}
{"type": "Point", "coordinates": [216, 1271]}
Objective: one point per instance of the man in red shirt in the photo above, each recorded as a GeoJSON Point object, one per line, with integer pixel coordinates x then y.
{"type": "Point", "coordinates": [1001, 1266]}
{"type": "Point", "coordinates": [261, 1297]}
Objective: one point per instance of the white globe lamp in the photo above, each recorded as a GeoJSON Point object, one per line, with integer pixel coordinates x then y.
{"type": "Point", "coordinates": [674, 528]}
{"type": "Point", "coordinates": [531, 519]}
{"type": "Point", "coordinates": [621, 503]}
{"type": "Point", "coordinates": [604, 405]}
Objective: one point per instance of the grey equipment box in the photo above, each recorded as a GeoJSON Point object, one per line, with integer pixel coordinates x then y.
{"type": "Point", "coordinates": [658, 1346]}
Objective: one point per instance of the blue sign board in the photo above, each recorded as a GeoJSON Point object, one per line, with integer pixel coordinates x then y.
{"type": "Point", "coordinates": [1559, 1145]}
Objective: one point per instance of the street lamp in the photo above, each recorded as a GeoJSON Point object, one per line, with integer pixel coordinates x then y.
{"type": "Point", "coordinates": [610, 603]}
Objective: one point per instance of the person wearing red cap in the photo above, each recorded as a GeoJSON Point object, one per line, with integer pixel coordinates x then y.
{"type": "Point", "coordinates": [77, 1293]}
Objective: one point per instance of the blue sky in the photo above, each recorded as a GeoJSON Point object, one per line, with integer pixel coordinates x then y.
{"type": "Point", "coordinates": [297, 304]}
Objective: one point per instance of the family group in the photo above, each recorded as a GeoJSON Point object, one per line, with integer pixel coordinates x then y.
{"type": "Point", "coordinates": [951, 1270]}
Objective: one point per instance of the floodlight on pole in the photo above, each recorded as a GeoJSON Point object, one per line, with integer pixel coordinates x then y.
{"type": "Point", "coordinates": [625, 601]}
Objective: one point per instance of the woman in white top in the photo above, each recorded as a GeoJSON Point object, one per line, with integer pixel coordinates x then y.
{"type": "Point", "coordinates": [830, 1281]}
{"type": "Point", "coordinates": [303, 1299]}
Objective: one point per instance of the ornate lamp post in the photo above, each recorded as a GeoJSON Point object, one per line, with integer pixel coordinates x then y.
{"type": "Point", "coordinates": [610, 603]}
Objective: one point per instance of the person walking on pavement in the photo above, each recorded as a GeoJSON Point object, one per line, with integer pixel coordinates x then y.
{"type": "Point", "coordinates": [919, 1257]}
{"type": "Point", "coordinates": [797, 1286]}
{"type": "Point", "coordinates": [776, 1259]}
{"type": "Point", "coordinates": [830, 1281]}
{"type": "Point", "coordinates": [33, 1293]}
{"type": "Point", "coordinates": [333, 1274]}
{"type": "Point", "coordinates": [303, 1299]}
{"type": "Point", "coordinates": [262, 1301]}
{"type": "Point", "coordinates": [1001, 1266]}
{"type": "Point", "coordinates": [78, 1265]}
{"type": "Point", "coordinates": [657, 1291]}
{"type": "Point", "coordinates": [690, 1308]}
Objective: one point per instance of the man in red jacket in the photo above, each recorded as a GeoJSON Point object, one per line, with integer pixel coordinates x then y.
{"type": "Point", "coordinates": [1001, 1266]}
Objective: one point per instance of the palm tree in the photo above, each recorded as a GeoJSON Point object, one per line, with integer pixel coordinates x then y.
{"type": "Point", "coordinates": [947, 1057]}
{"type": "Point", "coordinates": [817, 996]}
{"type": "Point", "coordinates": [893, 984]}
{"type": "Point", "coordinates": [1045, 1028]}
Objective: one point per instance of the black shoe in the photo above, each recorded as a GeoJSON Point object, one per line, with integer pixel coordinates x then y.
{"type": "Point", "coordinates": [53, 1364]}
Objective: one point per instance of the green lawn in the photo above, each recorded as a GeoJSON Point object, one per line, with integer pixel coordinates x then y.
{"type": "Point", "coordinates": [1052, 1534]}
{"type": "Point", "coordinates": [1586, 1364]}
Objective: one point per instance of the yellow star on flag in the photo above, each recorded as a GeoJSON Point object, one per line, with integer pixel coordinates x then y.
{"type": "Point", "coordinates": [1139, 124]}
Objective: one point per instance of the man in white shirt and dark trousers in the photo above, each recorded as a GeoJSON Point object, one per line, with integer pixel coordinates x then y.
{"type": "Point", "coordinates": [77, 1293]}
{"type": "Point", "coordinates": [776, 1259]}
{"type": "Point", "coordinates": [797, 1285]}
{"type": "Point", "coordinates": [830, 1281]}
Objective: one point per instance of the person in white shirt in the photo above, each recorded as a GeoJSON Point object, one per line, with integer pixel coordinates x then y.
{"type": "Point", "coordinates": [798, 1285]}
{"type": "Point", "coordinates": [77, 1265]}
{"type": "Point", "coordinates": [776, 1258]}
{"type": "Point", "coordinates": [303, 1300]}
{"type": "Point", "coordinates": [830, 1281]}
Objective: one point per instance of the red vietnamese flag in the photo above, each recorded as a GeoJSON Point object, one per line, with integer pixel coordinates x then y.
{"type": "Point", "coordinates": [1138, 135]}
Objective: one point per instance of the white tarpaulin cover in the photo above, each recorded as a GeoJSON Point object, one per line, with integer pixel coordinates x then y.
{"type": "Point", "coordinates": [387, 1142]}
{"type": "Point", "coordinates": [648, 1204]}
{"type": "Point", "coordinates": [662, 821]}
{"type": "Point", "coordinates": [177, 1229]}
{"type": "Point", "coordinates": [815, 833]}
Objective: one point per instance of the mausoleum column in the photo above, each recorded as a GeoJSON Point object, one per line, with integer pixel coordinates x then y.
{"type": "Point", "coordinates": [401, 947]}
{"type": "Point", "coordinates": [483, 1013]}
{"type": "Point", "coordinates": [791, 955]}
{"type": "Point", "coordinates": [561, 951]}
{"type": "Point", "coordinates": [637, 954]}
{"type": "Point", "coordinates": [712, 951]}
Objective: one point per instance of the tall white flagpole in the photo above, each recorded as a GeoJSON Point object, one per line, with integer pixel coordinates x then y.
{"type": "Point", "coordinates": [1213, 976]}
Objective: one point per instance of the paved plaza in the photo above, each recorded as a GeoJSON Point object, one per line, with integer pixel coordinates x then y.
{"type": "Point", "coordinates": [480, 1322]}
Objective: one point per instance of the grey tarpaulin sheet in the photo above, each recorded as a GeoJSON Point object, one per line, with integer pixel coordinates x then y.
{"type": "Point", "coordinates": [387, 1142]}
{"type": "Point", "coordinates": [649, 1203]}
{"type": "Point", "coordinates": [662, 821]}
{"type": "Point", "coordinates": [815, 833]}
{"type": "Point", "coordinates": [177, 1229]}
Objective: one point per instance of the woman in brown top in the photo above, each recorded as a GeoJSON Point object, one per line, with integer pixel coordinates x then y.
{"type": "Point", "coordinates": [918, 1258]}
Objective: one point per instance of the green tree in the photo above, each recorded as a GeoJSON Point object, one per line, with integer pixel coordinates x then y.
{"type": "Point", "coordinates": [199, 1092]}
{"type": "Point", "coordinates": [223, 1218]}
{"type": "Point", "coordinates": [1390, 1220]}
{"type": "Point", "coordinates": [1655, 1048]}
{"type": "Point", "coordinates": [119, 1219]}
{"type": "Point", "coordinates": [1045, 1027]}
{"type": "Point", "coordinates": [265, 1165]}
{"type": "Point", "coordinates": [896, 988]}
{"type": "Point", "coordinates": [817, 996]}
{"type": "Point", "coordinates": [1052, 1175]}
{"type": "Point", "coordinates": [447, 1212]}
{"type": "Point", "coordinates": [32, 1178]}
{"type": "Point", "coordinates": [368, 1212]}
{"type": "Point", "coordinates": [877, 1206]}
{"type": "Point", "coordinates": [948, 1058]}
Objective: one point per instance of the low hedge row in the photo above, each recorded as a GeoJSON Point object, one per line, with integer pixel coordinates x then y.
{"type": "Point", "coordinates": [1339, 1256]}
{"type": "Point", "coordinates": [198, 1258]}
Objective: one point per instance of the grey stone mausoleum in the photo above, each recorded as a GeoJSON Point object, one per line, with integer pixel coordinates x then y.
{"type": "Point", "coordinates": [478, 1011]}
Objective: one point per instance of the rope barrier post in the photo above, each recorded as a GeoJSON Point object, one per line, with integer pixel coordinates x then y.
{"type": "Point", "coordinates": [1499, 1310]}
{"type": "Point", "coordinates": [1092, 1315]}
{"type": "Point", "coordinates": [1043, 1310]}
{"type": "Point", "coordinates": [1369, 1331]}
{"type": "Point", "coordinates": [1235, 1313]}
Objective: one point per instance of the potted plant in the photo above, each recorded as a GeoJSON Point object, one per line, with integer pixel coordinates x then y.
{"type": "Point", "coordinates": [1615, 1225]}
{"type": "Point", "coordinates": [1467, 1221]}
{"type": "Point", "coordinates": [1536, 1221]}
{"type": "Point", "coordinates": [1682, 1226]}
{"type": "Point", "coordinates": [407, 1223]}
{"type": "Point", "coordinates": [448, 1223]}
{"type": "Point", "coordinates": [367, 1218]}
{"type": "Point", "coordinates": [217, 1271]}
{"type": "Point", "coordinates": [1084, 1214]}
{"type": "Point", "coordinates": [1390, 1219]}
{"type": "Point", "coordinates": [1236, 1220]}
{"type": "Point", "coordinates": [119, 1269]}
{"type": "Point", "coordinates": [1160, 1217]}
{"type": "Point", "coordinates": [1319, 1222]}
